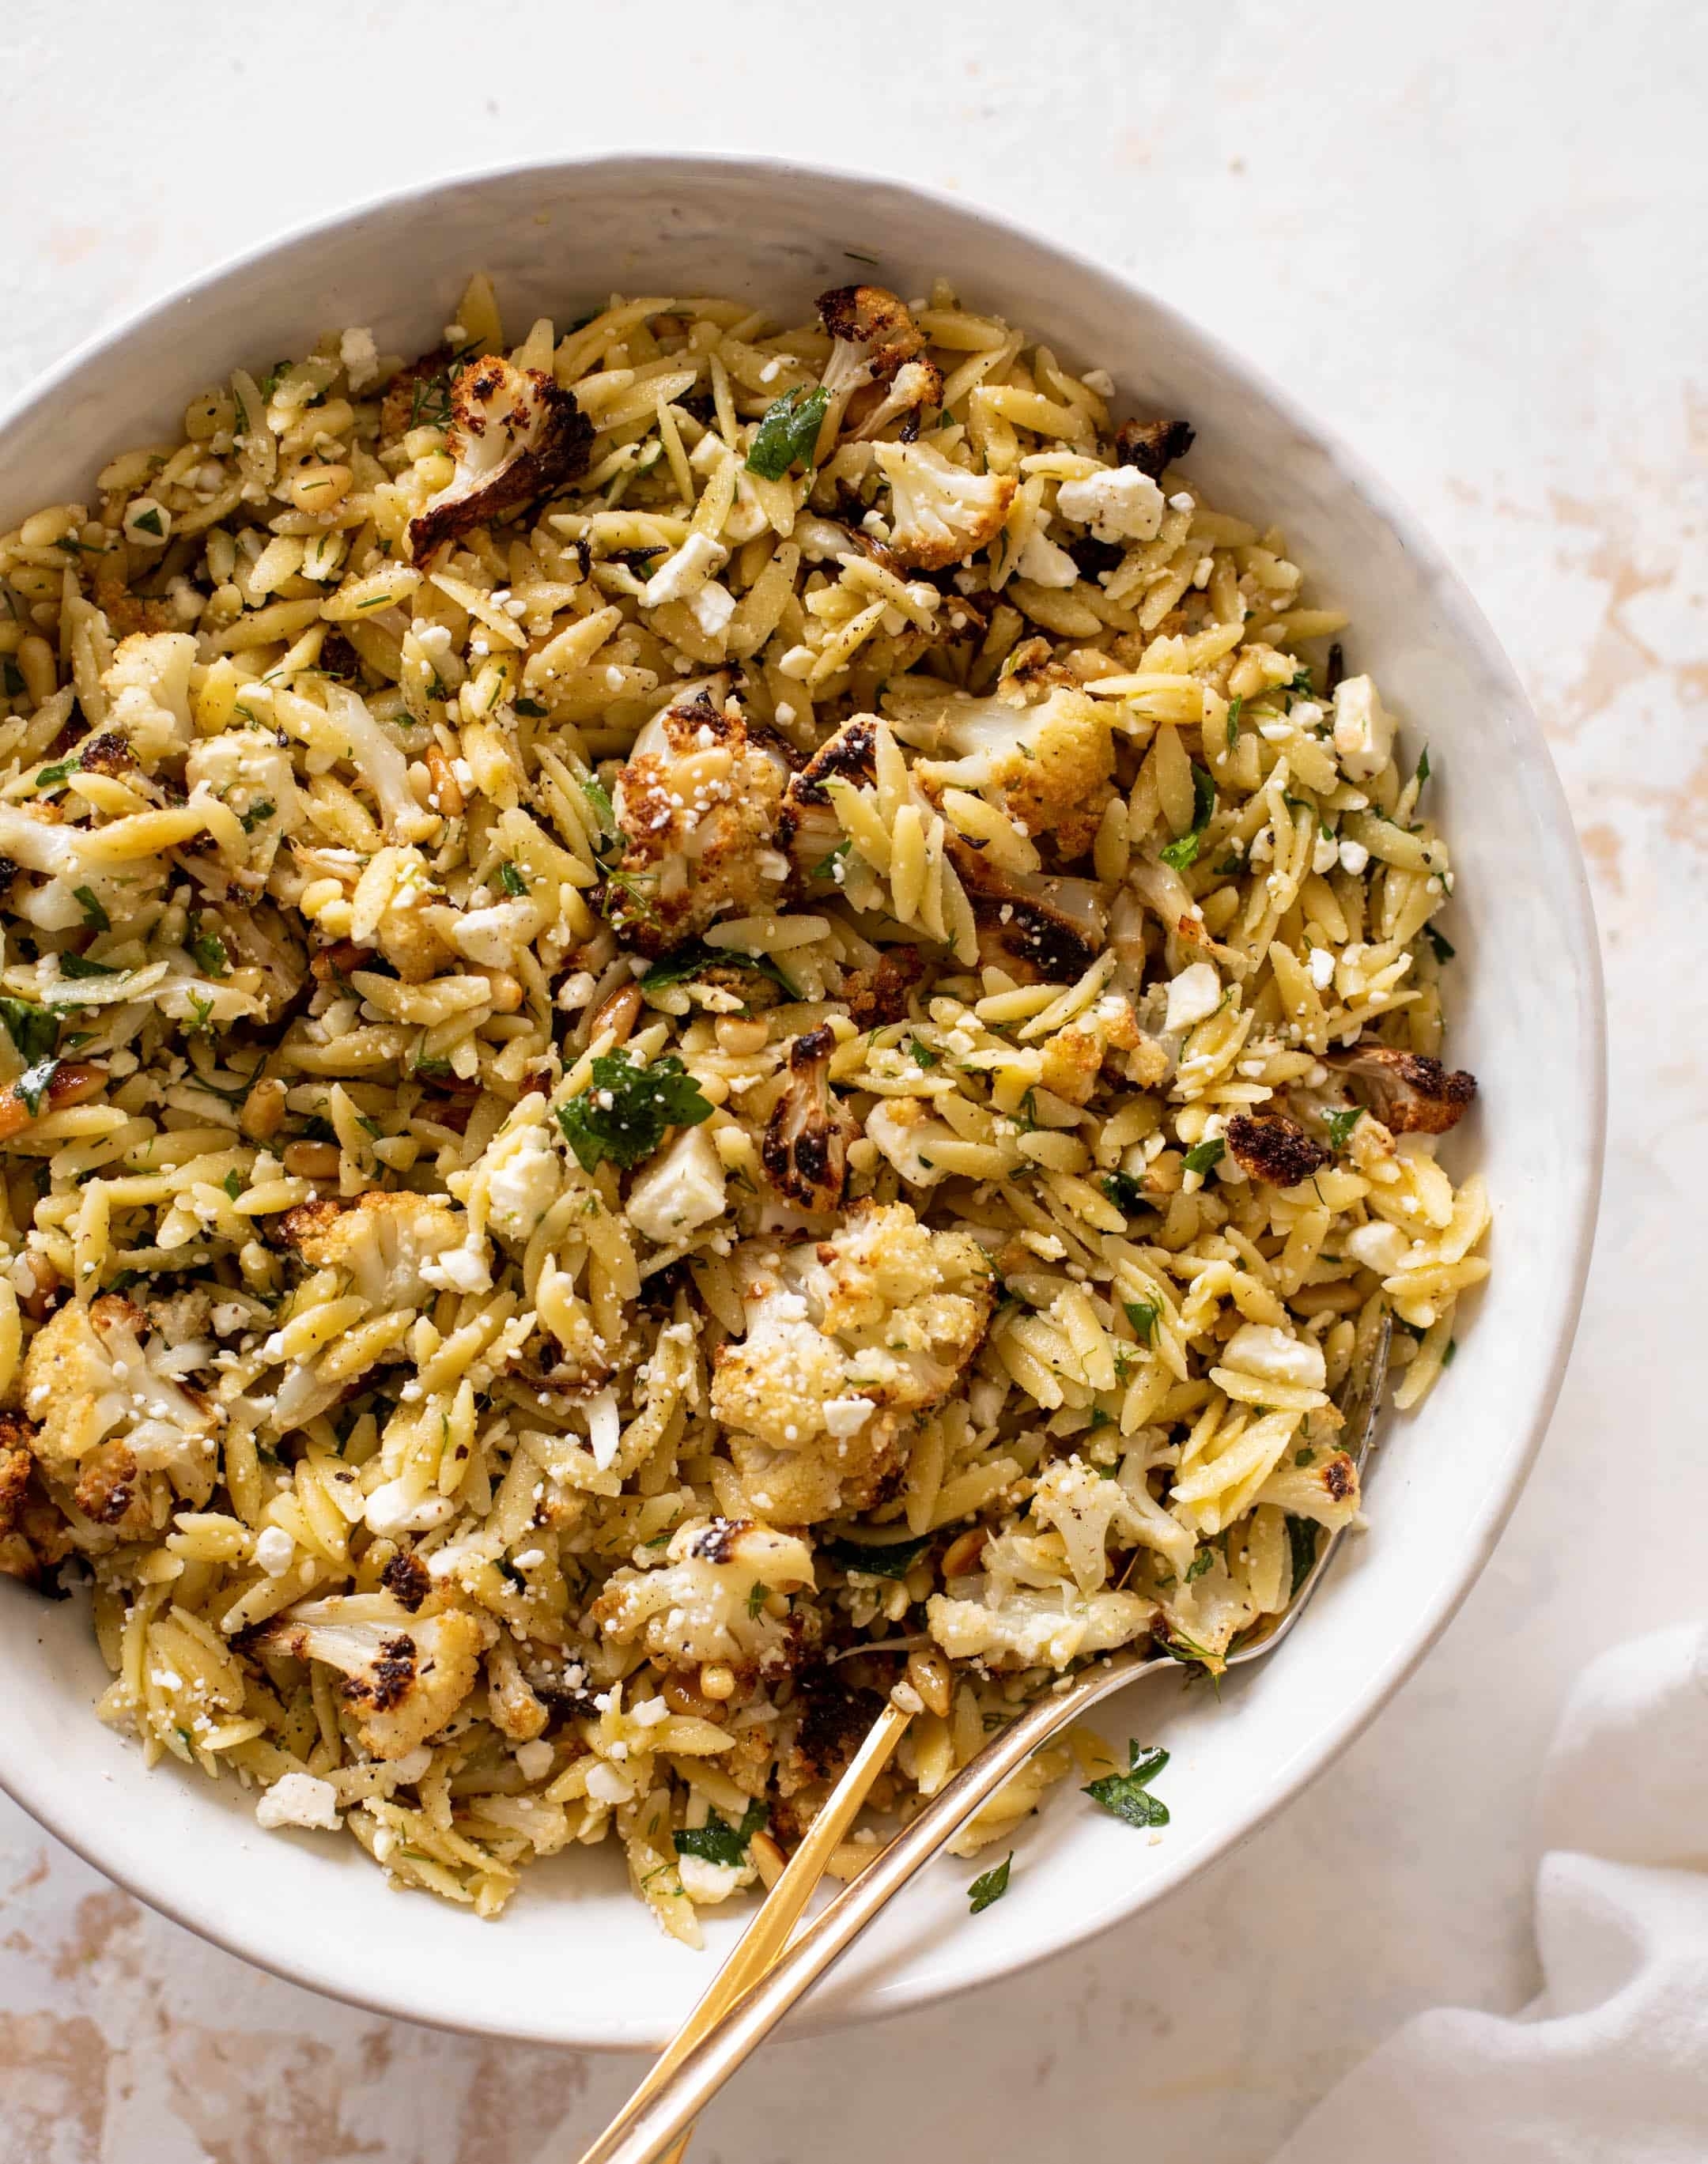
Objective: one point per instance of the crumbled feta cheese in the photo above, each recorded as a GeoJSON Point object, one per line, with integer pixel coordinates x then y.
{"type": "Point", "coordinates": [1321, 968]}
{"type": "Point", "coordinates": [299, 1799]}
{"type": "Point", "coordinates": [1196, 993]}
{"type": "Point", "coordinates": [649, 1712]}
{"type": "Point", "coordinates": [1044, 563]}
{"type": "Point", "coordinates": [606, 1785]}
{"type": "Point", "coordinates": [1378, 1246]}
{"type": "Point", "coordinates": [797, 663]}
{"type": "Point", "coordinates": [1260, 1349]}
{"type": "Point", "coordinates": [274, 1551]}
{"type": "Point", "coordinates": [534, 1760]}
{"type": "Point", "coordinates": [1364, 729]}
{"type": "Point", "coordinates": [1118, 504]}
{"type": "Point", "coordinates": [523, 1175]}
{"type": "Point", "coordinates": [681, 1190]}
{"type": "Point", "coordinates": [708, 1882]}
{"type": "Point", "coordinates": [1353, 857]}
{"type": "Point", "coordinates": [604, 1426]}
{"type": "Point", "coordinates": [847, 1415]}
{"type": "Point", "coordinates": [390, 1510]}
{"type": "Point", "coordinates": [1182, 502]}
{"type": "Point", "coordinates": [1325, 854]}
{"type": "Point", "coordinates": [685, 571]}
{"type": "Point", "coordinates": [1100, 381]}
{"type": "Point", "coordinates": [147, 522]}
{"type": "Point", "coordinates": [360, 357]}
{"type": "Point", "coordinates": [711, 608]}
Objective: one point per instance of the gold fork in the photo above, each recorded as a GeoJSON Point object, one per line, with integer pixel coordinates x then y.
{"type": "Point", "coordinates": [766, 1974]}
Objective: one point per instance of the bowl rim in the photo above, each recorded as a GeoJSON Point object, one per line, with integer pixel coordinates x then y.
{"type": "Point", "coordinates": [898, 1994]}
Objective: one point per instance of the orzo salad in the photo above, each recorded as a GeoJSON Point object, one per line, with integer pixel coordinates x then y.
{"type": "Point", "coordinates": [702, 1018]}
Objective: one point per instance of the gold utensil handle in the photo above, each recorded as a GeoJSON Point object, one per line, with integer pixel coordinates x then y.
{"type": "Point", "coordinates": [663, 2108]}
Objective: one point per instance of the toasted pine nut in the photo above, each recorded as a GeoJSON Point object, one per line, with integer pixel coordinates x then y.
{"type": "Point", "coordinates": [70, 1083]}
{"type": "Point", "coordinates": [681, 1697]}
{"type": "Point", "coordinates": [263, 1109]}
{"type": "Point", "coordinates": [618, 1012]}
{"type": "Point", "coordinates": [928, 1672]}
{"type": "Point", "coordinates": [742, 1033]}
{"type": "Point", "coordinates": [318, 488]}
{"type": "Point", "coordinates": [312, 1160]}
{"type": "Point", "coordinates": [445, 785]}
{"type": "Point", "coordinates": [962, 1554]}
{"type": "Point", "coordinates": [506, 993]}
{"type": "Point", "coordinates": [717, 1680]}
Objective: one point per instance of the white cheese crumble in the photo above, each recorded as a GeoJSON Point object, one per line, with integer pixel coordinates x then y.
{"type": "Point", "coordinates": [1258, 1349]}
{"type": "Point", "coordinates": [299, 1799]}
{"type": "Point", "coordinates": [1321, 968]}
{"type": "Point", "coordinates": [274, 1551]}
{"type": "Point", "coordinates": [1196, 993]}
{"type": "Point", "coordinates": [1353, 857]}
{"type": "Point", "coordinates": [1119, 504]}
{"type": "Point", "coordinates": [1044, 563]}
{"type": "Point", "coordinates": [685, 571]}
{"type": "Point", "coordinates": [534, 1760]}
{"type": "Point", "coordinates": [847, 1415]}
{"type": "Point", "coordinates": [681, 1190]}
{"type": "Point", "coordinates": [360, 357]}
{"type": "Point", "coordinates": [1364, 729]}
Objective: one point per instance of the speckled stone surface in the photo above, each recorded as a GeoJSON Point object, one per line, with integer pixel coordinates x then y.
{"type": "Point", "coordinates": [1467, 237]}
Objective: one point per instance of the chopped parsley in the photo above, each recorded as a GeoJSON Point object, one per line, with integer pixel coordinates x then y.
{"type": "Point", "coordinates": [922, 1055]}
{"type": "Point", "coordinates": [757, 1595]}
{"type": "Point", "coordinates": [233, 1183]}
{"type": "Point", "coordinates": [1202, 1155]}
{"type": "Point", "coordinates": [695, 959]}
{"type": "Point", "coordinates": [1233, 714]}
{"type": "Point", "coordinates": [31, 1085]}
{"type": "Point", "coordinates": [147, 522]}
{"type": "Point", "coordinates": [532, 708]}
{"type": "Point", "coordinates": [209, 950]}
{"type": "Point", "coordinates": [1200, 1563]}
{"type": "Point", "coordinates": [54, 776]}
{"type": "Point", "coordinates": [1128, 1795]}
{"type": "Point", "coordinates": [624, 1112]}
{"type": "Point", "coordinates": [1124, 1191]}
{"type": "Point", "coordinates": [1340, 1125]}
{"type": "Point", "coordinates": [895, 1561]}
{"type": "Point", "coordinates": [718, 1841]}
{"type": "Point", "coordinates": [1301, 1542]}
{"type": "Point", "coordinates": [826, 866]}
{"type": "Point", "coordinates": [511, 879]}
{"type": "Point", "coordinates": [787, 433]}
{"type": "Point", "coordinates": [1185, 851]}
{"type": "Point", "coordinates": [258, 816]}
{"type": "Point", "coordinates": [34, 1030]}
{"type": "Point", "coordinates": [1442, 951]}
{"type": "Point", "coordinates": [1422, 773]}
{"type": "Point", "coordinates": [75, 966]}
{"type": "Point", "coordinates": [990, 1885]}
{"type": "Point", "coordinates": [1142, 1314]}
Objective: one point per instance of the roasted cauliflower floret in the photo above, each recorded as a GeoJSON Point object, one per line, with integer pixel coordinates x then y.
{"type": "Point", "coordinates": [916, 386]}
{"type": "Point", "coordinates": [698, 803]}
{"type": "Point", "coordinates": [1409, 1092]}
{"type": "Point", "coordinates": [1041, 930]}
{"type": "Point", "coordinates": [523, 1176]}
{"type": "Point", "coordinates": [98, 1372]}
{"type": "Point", "coordinates": [514, 435]}
{"type": "Point", "coordinates": [1030, 1629]}
{"type": "Point", "coordinates": [404, 1675]}
{"type": "Point", "coordinates": [1046, 768]}
{"type": "Point", "coordinates": [1153, 446]}
{"type": "Point", "coordinates": [251, 772]}
{"type": "Point", "coordinates": [906, 1130]}
{"type": "Point", "coordinates": [679, 1190]}
{"type": "Point", "coordinates": [874, 335]}
{"type": "Point", "coordinates": [398, 1249]}
{"type": "Point", "coordinates": [147, 684]}
{"type": "Point", "coordinates": [807, 826]}
{"type": "Point", "coordinates": [710, 1601]}
{"type": "Point", "coordinates": [939, 513]}
{"type": "Point", "coordinates": [1072, 1057]}
{"type": "Point", "coordinates": [1270, 1147]}
{"type": "Point", "coordinates": [805, 1147]}
{"type": "Point", "coordinates": [34, 1535]}
{"type": "Point", "coordinates": [848, 1337]}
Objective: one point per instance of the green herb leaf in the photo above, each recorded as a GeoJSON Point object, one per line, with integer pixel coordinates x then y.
{"type": "Point", "coordinates": [532, 708]}
{"type": "Point", "coordinates": [594, 792]}
{"type": "Point", "coordinates": [147, 522]}
{"type": "Point", "coordinates": [1422, 774]}
{"type": "Point", "coordinates": [1443, 951]}
{"type": "Point", "coordinates": [233, 1183]}
{"type": "Point", "coordinates": [1202, 1155]}
{"type": "Point", "coordinates": [258, 816]}
{"type": "Point", "coordinates": [1200, 1563]}
{"type": "Point", "coordinates": [695, 959]}
{"type": "Point", "coordinates": [895, 1561]}
{"type": "Point", "coordinates": [717, 1841]}
{"type": "Point", "coordinates": [826, 866]}
{"type": "Point", "coordinates": [625, 1111]}
{"type": "Point", "coordinates": [34, 1030]}
{"type": "Point", "coordinates": [53, 777]}
{"type": "Point", "coordinates": [922, 1055]}
{"type": "Point", "coordinates": [31, 1085]}
{"type": "Point", "coordinates": [1185, 851]}
{"type": "Point", "coordinates": [990, 1885]}
{"type": "Point", "coordinates": [209, 950]}
{"type": "Point", "coordinates": [1142, 1314]}
{"type": "Point", "coordinates": [1234, 707]}
{"type": "Point", "coordinates": [757, 1596]}
{"type": "Point", "coordinates": [76, 965]}
{"type": "Point", "coordinates": [1124, 1191]}
{"type": "Point", "coordinates": [511, 879]}
{"type": "Point", "coordinates": [787, 433]}
{"type": "Point", "coordinates": [1128, 1795]}
{"type": "Point", "coordinates": [1301, 1542]}
{"type": "Point", "coordinates": [1340, 1125]}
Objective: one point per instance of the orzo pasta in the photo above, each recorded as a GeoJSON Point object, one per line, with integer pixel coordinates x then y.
{"type": "Point", "coordinates": [699, 1020]}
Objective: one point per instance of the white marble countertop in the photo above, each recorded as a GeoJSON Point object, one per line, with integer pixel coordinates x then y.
{"type": "Point", "coordinates": [1471, 236]}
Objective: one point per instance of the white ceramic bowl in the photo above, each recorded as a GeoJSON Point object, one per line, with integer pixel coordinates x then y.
{"type": "Point", "coordinates": [575, 1960]}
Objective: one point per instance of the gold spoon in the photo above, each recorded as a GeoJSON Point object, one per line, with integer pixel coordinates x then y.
{"type": "Point", "coordinates": [761, 1980]}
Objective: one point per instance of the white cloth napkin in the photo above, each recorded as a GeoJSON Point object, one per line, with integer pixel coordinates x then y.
{"type": "Point", "coordinates": [1610, 2063]}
